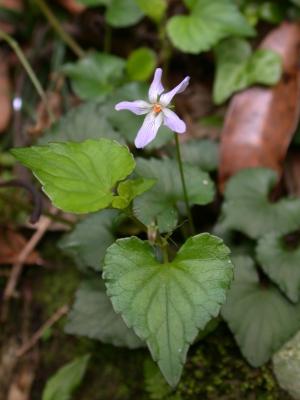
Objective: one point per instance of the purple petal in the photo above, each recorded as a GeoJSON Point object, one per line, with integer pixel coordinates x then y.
{"type": "Point", "coordinates": [166, 98]}
{"type": "Point", "coordinates": [172, 121]}
{"type": "Point", "coordinates": [138, 107]}
{"type": "Point", "coordinates": [148, 130]}
{"type": "Point", "coordinates": [156, 87]}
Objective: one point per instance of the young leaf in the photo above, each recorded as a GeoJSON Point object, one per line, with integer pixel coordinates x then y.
{"type": "Point", "coordinates": [78, 177]}
{"type": "Point", "coordinates": [167, 304]}
{"type": "Point", "coordinates": [260, 317]}
{"type": "Point", "coordinates": [87, 121]}
{"type": "Point", "coordinates": [238, 68]}
{"type": "Point", "coordinates": [280, 263]}
{"type": "Point", "coordinates": [130, 189]}
{"type": "Point", "coordinates": [248, 209]}
{"type": "Point", "coordinates": [208, 23]}
{"type": "Point", "coordinates": [159, 204]}
{"type": "Point", "coordinates": [66, 380]}
{"type": "Point", "coordinates": [154, 9]}
{"type": "Point", "coordinates": [95, 75]}
{"type": "Point", "coordinates": [88, 242]}
{"type": "Point", "coordinates": [92, 315]}
{"type": "Point", "coordinates": [140, 64]}
{"type": "Point", "coordinates": [123, 13]}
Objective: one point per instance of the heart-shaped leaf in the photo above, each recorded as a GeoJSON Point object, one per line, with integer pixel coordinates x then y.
{"type": "Point", "coordinates": [78, 177]}
{"type": "Point", "coordinates": [140, 64]}
{"type": "Point", "coordinates": [260, 317]}
{"type": "Point", "coordinates": [159, 205]}
{"type": "Point", "coordinates": [123, 13]}
{"type": "Point", "coordinates": [87, 121]}
{"type": "Point", "coordinates": [280, 263]}
{"type": "Point", "coordinates": [167, 304]}
{"type": "Point", "coordinates": [247, 207]}
{"type": "Point", "coordinates": [88, 242]}
{"type": "Point", "coordinates": [208, 23]}
{"type": "Point", "coordinates": [92, 315]}
{"type": "Point", "coordinates": [238, 68]}
{"type": "Point", "coordinates": [95, 75]}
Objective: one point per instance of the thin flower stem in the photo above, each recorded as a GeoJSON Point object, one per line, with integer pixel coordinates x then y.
{"type": "Point", "coordinates": [53, 21]}
{"type": "Point", "coordinates": [186, 200]}
{"type": "Point", "coordinates": [36, 83]}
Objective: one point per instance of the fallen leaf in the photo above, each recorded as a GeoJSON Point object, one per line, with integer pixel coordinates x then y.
{"type": "Point", "coordinates": [260, 121]}
{"type": "Point", "coordinates": [72, 6]}
{"type": "Point", "coordinates": [11, 243]}
{"type": "Point", "coordinates": [5, 93]}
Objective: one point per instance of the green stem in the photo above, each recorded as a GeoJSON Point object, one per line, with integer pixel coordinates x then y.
{"type": "Point", "coordinates": [186, 200]}
{"type": "Point", "coordinates": [53, 21]}
{"type": "Point", "coordinates": [107, 38]}
{"type": "Point", "coordinates": [36, 83]}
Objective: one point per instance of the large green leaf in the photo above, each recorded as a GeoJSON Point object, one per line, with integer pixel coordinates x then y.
{"type": "Point", "coordinates": [208, 23]}
{"type": "Point", "coordinates": [247, 207]}
{"type": "Point", "coordinates": [66, 380]}
{"type": "Point", "coordinates": [160, 204]}
{"type": "Point", "coordinates": [87, 121]}
{"type": "Point", "coordinates": [123, 13]}
{"type": "Point", "coordinates": [260, 317]}
{"type": "Point", "coordinates": [154, 9]}
{"type": "Point", "coordinates": [167, 304]}
{"type": "Point", "coordinates": [95, 75]}
{"type": "Point", "coordinates": [238, 68]}
{"type": "Point", "coordinates": [90, 238]}
{"type": "Point", "coordinates": [92, 315]}
{"type": "Point", "coordinates": [280, 263]}
{"type": "Point", "coordinates": [141, 63]}
{"type": "Point", "coordinates": [78, 177]}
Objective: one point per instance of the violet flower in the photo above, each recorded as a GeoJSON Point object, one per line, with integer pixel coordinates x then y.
{"type": "Point", "coordinates": [157, 110]}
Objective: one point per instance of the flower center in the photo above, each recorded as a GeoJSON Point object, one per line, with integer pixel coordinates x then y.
{"type": "Point", "coordinates": [156, 108]}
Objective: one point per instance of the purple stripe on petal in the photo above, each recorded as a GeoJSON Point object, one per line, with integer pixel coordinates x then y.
{"type": "Point", "coordinates": [156, 87]}
{"type": "Point", "coordinates": [166, 98]}
{"type": "Point", "coordinates": [172, 121]}
{"type": "Point", "coordinates": [137, 107]}
{"type": "Point", "coordinates": [148, 130]}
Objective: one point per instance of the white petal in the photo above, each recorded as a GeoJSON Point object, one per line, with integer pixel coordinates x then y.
{"type": "Point", "coordinates": [156, 87]}
{"type": "Point", "coordinates": [148, 130]}
{"type": "Point", "coordinates": [166, 98]}
{"type": "Point", "coordinates": [137, 107]}
{"type": "Point", "coordinates": [172, 121]}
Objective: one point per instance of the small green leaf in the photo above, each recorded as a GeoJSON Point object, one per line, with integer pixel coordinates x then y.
{"type": "Point", "coordinates": [280, 263]}
{"type": "Point", "coordinates": [238, 68]}
{"type": "Point", "coordinates": [286, 366]}
{"type": "Point", "coordinates": [155, 9]}
{"type": "Point", "coordinates": [95, 75]}
{"type": "Point", "coordinates": [87, 121]}
{"type": "Point", "coordinates": [247, 207]}
{"type": "Point", "coordinates": [92, 315]}
{"type": "Point", "coordinates": [62, 385]}
{"type": "Point", "coordinates": [202, 153]}
{"type": "Point", "coordinates": [159, 205]}
{"type": "Point", "coordinates": [130, 189]}
{"type": "Point", "coordinates": [90, 238]}
{"type": "Point", "coordinates": [123, 13]}
{"type": "Point", "coordinates": [167, 304]}
{"type": "Point", "coordinates": [78, 177]}
{"type": "Point", "coordinates": [208, 23]}
{"type": "Point", "coordinates": [259, 316]}
{"type": "Point", "coordinates": [141, 63]}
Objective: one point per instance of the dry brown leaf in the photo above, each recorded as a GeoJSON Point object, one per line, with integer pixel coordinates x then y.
{"type": "Point", "coordinates": [5, 93]}
{"type": "Point", "coordinates": [11, 243]}
{"type": "Point", "coordinates": [72, 6]}
{"type": "Point", "coordinates": [260, 121]}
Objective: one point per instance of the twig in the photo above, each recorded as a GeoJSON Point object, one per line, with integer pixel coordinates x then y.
{"type": "Point", "coordinates": [53, 21]}
{"type": "Point", "coordinates": [39, 333]}
{"type": "Point", "coordinates": [42, 227]}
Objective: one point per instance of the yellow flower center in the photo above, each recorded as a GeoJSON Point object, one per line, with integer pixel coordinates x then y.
{"type": "Point", "coordinates": [157, 108]}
